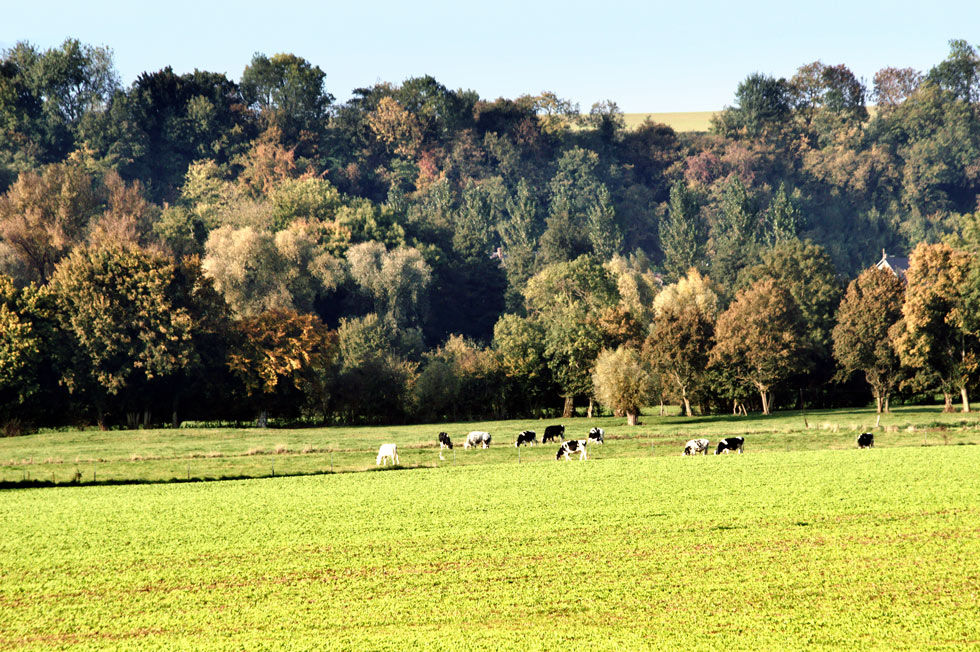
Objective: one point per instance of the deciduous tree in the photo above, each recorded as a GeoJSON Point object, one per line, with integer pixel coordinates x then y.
{"type": "Point", "coordinates": [621, 382]}
{"type": "Point", "coordinates": [760, 338]}
{"type": "Point", "coordinates": [872, 306]}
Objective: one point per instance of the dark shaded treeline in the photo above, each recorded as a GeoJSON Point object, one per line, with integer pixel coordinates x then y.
{"type": "Point", "coordinates": [196, 247]}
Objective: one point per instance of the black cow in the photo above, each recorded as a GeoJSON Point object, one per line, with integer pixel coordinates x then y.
{"type": "Point", "coordinates": [444, 442]}
{"type": "Point", "coordinates": [573, 446]}
{"type": "Point", "coordinates": [528, 438]}
{"type": "Point", "coordinates": [597, 435]}
{"type": "Point", "coordinates": [730, 444]}
{"type": "Point", "coordinates": [553, 432]}
{"type": "Point", "coordinates": [866, 440]}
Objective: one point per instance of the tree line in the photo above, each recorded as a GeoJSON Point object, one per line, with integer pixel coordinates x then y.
{"type": "Point", "coordinates": [193, 247]}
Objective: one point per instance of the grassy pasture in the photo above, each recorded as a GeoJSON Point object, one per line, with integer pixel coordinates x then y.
{"type": "Point", "coordinates": [196, 453]}
{"type": "Point", "coordinates": [829, 549]}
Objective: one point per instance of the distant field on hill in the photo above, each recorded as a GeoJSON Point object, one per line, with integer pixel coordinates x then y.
{"type": "Point", "coordinates": [828, 549]}
{"type": "Point", "coordinates": [201, 453]}
{"type": "Point", "coordinates": [679, 121]}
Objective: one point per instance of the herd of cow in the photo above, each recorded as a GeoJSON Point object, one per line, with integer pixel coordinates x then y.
{"type": "Point", "coordinates": [481, 438]}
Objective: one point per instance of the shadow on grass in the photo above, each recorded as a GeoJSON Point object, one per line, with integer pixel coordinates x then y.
{"type": "Point", "coordinates": [48, 484]}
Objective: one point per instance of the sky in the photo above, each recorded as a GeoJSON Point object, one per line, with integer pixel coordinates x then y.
{"type": "Point", "coordinates": [683, 55]}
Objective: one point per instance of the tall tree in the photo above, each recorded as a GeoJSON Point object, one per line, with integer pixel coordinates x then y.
{"type": "Point", "coordinates": [568, 299]}
{"type": "Point", "coordinates": [132, 317]}
{"type": "Point", "coordinates": [684, 233]}
{"type": "Point", "coordinates": [682, 334]}
{"type": "Point", "coordinates": [872, 306]}
{"type": "Point", "coordinates": [280, 349]}
{"type": "Point", "coordinates": [288, 92]}
{"type": "Point", "coordinates": [621, 382]}
{"type": "Point", "coordinates": [395, 280]}
{"type": "Point", "coordinates": [760, 338]}
{"type": "Point", "coordinates": [937, 336]}
{"type": "Point", "coordinates": [44, 215]}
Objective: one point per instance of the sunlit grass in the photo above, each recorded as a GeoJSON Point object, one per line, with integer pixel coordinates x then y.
{"type": "Point", "coordinates": [830, 549]}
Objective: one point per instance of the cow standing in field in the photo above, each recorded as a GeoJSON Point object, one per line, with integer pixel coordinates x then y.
{"type": "Point", "coordinates": [444, 442]}
{"type": "Point", "coordinates": [866, 440]}
{"type": "Point", "coordinates": [730, 444]}
{"type": "Point", "coordinates": [528, 438]}
{"type": "Point", "coordinates": [597, 435]}
{"type": "Point", "coordinates": [572, 446]}
{"type": "Point", "coordinates": [387, 452]}
{"type": "Point", "coordinates": [477, 438]}
{"type": "Point", "coordinates": [553, 432]}
{"type": "Point", "coordinates": [696, 446]}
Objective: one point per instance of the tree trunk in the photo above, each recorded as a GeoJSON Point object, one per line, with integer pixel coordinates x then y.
{"type": "Point", "coordinates": [880, 403]}
{"type": "Point", "coordinates": [174, 423]}
{"type": "Point", "coordinates": [948, 406]}
{"type": "Point", "coordinates": [765, 399]}
{"type": "Point", "coordinates": [100, 418]}
{"type": "Point", "coordinates": [263, 420]}
{"type": "Point", "coordinates": [569, 407]}
{"type": "Point", "coordinates": [631, 417]}
{"type": "Point", "coordinates": [887, 410]}
{"type": "Point", "coordinates": [589, 414]}
{"type": "Point", "coordinates": [966, 399]}
{"type": "Point", "coordinates": [687, 406]}
{"type": "Point", "coordinates": [146, 419]}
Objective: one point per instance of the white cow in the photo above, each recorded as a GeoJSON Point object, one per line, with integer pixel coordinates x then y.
{"type": "Point", "coordinates": [477, 438]}
{"type": "Point", "coordinates": [696, 446]}
{"type": "Point", "coordinates": [387, 452]}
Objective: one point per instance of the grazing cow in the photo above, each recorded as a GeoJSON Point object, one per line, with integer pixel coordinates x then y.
{"type": "Point", "coordinates": [866, 440]}
{"type": "Point", "coordinates": [528, 438]}
{"type": "Point", "coordinates": [553, 432]}
{"type": "Point", "coordinates": [597, 435]}
{"type": "Point", "coordinates": [477, 438]}
{"type": "Point", "coordinates": [387, 452]}
{"type": "Point", "coordinates": [444, 442]}
{"type": "Point", "coordinates": [572, 446]}
{"type": "Point", "coordinates": [730, 444]}
{"type": "Point", "coordinates": [696, 446]}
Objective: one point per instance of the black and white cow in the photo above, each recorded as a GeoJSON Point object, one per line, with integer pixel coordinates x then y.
{"type": "Point", "coordinates": [730, 444]}
{"type": "Point", "coordinates": [597, 435]}
{"type": "Point", "coordinates": [696, 446]}
{"type": "Point", "coordinates": [444, 442]}
{"type": "Point", "coordinates": [527, 437]}
{"type": "Point", "coordinates": [573, 446]}
{"type": "Point", "coordinates": [477, 438]}
{"type": "Point", "coordinates": [866, 440]}
{"type": "Point", "coordinates": [553, 432]}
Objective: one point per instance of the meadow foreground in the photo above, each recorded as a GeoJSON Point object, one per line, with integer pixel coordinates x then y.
{"type": "Point", "coordinates": [779, 550]}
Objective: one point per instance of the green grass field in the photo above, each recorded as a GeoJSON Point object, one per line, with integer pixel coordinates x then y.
{"type": "Point", "coordinates": [192, 453]}
{"type": "Point", "coordinates": [828, 549]}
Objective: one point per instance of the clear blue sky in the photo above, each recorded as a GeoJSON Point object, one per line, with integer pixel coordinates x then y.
{"type": "Point", "coordinates": [682, 55]}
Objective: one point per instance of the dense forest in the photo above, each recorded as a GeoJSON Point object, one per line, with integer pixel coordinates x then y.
{"type": "Point", "coordinates": [197, 248]}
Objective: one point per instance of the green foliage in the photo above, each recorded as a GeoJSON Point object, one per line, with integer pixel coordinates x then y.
{"type": "Point", "coordinates": [132, 318]}
{"type": "Point", "coordinates": [760, 338]}
{"type": "Point", "coordinates": [621, 382]}
{"type": "Point", "coordinates": [287, 91]}
{"type": "Point", "coordinates": [683, 233]}
{"type": "Point", "coordinates": [871, 307]}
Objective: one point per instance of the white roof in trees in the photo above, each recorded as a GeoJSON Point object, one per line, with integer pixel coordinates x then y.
{"type": "Point", "coordinates": [897, 265]}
